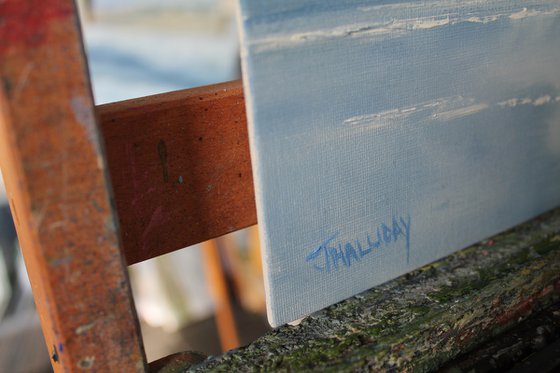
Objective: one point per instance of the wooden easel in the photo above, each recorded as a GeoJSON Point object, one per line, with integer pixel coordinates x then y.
{"type": "Point", "coordinates": [178, 164]}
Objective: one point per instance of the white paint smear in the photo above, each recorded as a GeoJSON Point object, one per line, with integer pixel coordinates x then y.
{"type": "Point", "coordinates": [539, 101]}
{"type": "Point", "coordinates": [380, 119]}
{"type": "Point", "coordinates": [526, 13]}
{"type": "Point", "coordinates": [442, 109]}
{"type": "Point", "coordinates": [397, 27]}
{"type": "Point", "coordinates": [484, 20]}
{"type": "Point", "coordinates": [542, 100]}
{"type": "Point", "coordinates": [461, 112]}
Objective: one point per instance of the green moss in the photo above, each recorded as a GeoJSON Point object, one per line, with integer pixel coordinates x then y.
{"type": "Point", "coordinates": [459, 289]}
{"type": "Point", "coordinates": [423, 319]}
{"type": "Point", "coordinates": [552, 242]}
{"type": "Point", "coordinates": [521, 257]}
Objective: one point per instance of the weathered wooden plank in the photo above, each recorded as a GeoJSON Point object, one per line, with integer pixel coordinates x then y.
{"type": "Point", "coordinates": [515, 347]}
{"type": "Point", "coordinates": [421, 320]}
{"type": "Point", "coordinates": [217, 284]}
{"type": "Point", "coordinates": [53, 168]}
{"type": "Point", "coordinates": [385, 135]}
{"type": "Point", "coordinates": [180, 167]}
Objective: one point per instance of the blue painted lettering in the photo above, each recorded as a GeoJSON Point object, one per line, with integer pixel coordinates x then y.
{"type": "Point", "coordinates": [350, 253]}
{"type": "Point", "coordinates": [386, 233]}
{"type": "Point", "coordinates": [336, 255]}
{"type": "Point", "coordinates": [331, 256]}
{"type": "Point", "coordinates": [406, 225]}
{"type": "Point", "coordinates": [362, 251]}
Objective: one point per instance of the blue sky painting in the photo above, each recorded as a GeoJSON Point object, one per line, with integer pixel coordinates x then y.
{"type": "Point", "coordinates": [388, 134]}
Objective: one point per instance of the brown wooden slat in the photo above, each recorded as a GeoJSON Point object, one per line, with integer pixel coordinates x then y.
{"type": "Point", "coordinates": [53, 168]}
{"type": "Point", "coordinates": [180, 167]}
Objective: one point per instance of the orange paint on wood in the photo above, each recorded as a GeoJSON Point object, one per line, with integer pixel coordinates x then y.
{"type": "Point", "coordinates": [53, 167]}
{"type": "Point", "coordinates": [180, 167]}
{"type": "Point", "coordinates": [215, 276]}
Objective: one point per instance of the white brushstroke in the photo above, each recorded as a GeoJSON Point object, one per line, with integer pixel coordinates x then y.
{"type": "Point", "coordinates": [539, 101]}
{"type": "Point", "coordinates": [446, 102]}
{"type": "Point", "coordinates": [542, 100]}
{"type": "Point", "coordinates": [432, 104]}
{"type": "Point", "coordinates": [453, 5]}
{"type": "Point", "coordinates": [526, 13]}
{"type": "Point", "coordinates": [484, 20]}
{"type": "Point", "coordinates": [511, 103]}
{"type": "Point", "coordinates": [461, 112]}
{"type": "Point", "coordinates": [381, 119]}
{"type": "Point", "coordinates": [393, 28]}
{"type": "Point", "coordinates": [397, 27]}
{"type": "Point", "coordinates": [419, 5]}
{"type": "Point", "coordinates": [443, 109]}
{"type": "Point", "coordinates": [425, 23]}
{"type": "Point", "coordinates": [523, 14]}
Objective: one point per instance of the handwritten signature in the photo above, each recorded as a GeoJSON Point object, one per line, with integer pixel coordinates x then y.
{"type": "Point", "coordinates": [331, 255]}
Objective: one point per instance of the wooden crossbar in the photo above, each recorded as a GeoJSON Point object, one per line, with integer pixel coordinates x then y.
{"type": "Point", "coordinates": [180, 167]}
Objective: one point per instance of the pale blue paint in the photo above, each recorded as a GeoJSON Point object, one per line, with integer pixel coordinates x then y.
{"type": "Point", "coordinates": [447, 112]}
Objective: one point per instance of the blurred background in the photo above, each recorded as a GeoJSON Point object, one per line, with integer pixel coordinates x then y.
{"type": "Point", "coordinates": [206, 298]}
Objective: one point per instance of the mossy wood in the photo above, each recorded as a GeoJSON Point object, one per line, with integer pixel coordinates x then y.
{"type": "Point", "coordinates": [424, 319]}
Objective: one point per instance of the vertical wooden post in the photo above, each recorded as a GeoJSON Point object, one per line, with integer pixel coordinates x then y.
{"type": "Point", "coordinates": [225, 321]}
{"type": "Point", "coordinates": [53, 166]}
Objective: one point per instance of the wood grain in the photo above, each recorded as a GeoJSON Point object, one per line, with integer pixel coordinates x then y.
{"type": "Point", "coordinates": [180, 167]}
{"type": "Point", "coordinates": [53, 168]}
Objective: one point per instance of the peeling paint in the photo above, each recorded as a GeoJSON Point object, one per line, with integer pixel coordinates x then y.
{"type": "Point", "coordinates": [84, 328]}
{"type": "Point", "coordinates": [83, 113]}
{"type": "Point", "coordinates": [86, 363]}
{"type": "Point", "coordinates": [56, 225]}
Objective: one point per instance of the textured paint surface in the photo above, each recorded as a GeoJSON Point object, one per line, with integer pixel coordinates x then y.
{"type": "Point", "coordinates": [385, 135]}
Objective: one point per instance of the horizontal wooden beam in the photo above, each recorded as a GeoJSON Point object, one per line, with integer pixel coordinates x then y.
{"type": "Point", "coordinates": [180, 167]}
